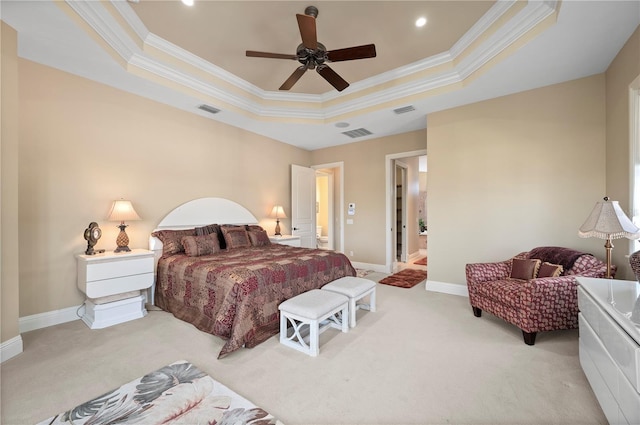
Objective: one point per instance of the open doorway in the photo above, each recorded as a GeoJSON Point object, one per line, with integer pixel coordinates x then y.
{"type": "Point", "coordinates": [400, 184]}
{"type": "Point", "coordinates": [324, 209]}
{"type": "Point", "coordinates": [404, 243]}
{"type": "Point", "coordinates": [329, 206]}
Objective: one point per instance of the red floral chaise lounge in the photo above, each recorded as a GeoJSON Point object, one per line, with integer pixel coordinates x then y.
{"type": "Point", "coordinates": [515, 291]}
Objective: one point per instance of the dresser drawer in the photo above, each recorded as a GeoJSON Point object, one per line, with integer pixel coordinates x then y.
{"type": "Point", "coordinates": [123, 267]}
{"type": "Point", "coordinates": [628, 400]}
{"type": "Point", "coordinates": [624, 350]}
{"type": "Point", "coordinates": [603, 363]}
{"type": "Point", "coordinates": [589, 310]}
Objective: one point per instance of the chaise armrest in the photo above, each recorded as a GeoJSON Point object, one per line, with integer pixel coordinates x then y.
{"type": "Point", "coordinates": [487, 272]}
{"type": "Point", "coordinates": [590, 266]}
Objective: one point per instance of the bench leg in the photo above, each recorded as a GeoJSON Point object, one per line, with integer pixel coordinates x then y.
{"type": "Point", "coordinates": [477, 311]}
{"type": "Point", "coordinates": [372, 301]}
{"type": "Point", "coordinates": [345, 317]}
{"type": "Point", "coordinates": [352, 312]}
{"type": "Point", "coordinates": [314, 335]}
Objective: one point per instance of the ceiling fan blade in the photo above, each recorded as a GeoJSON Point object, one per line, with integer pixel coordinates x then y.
{"type": "Point", "coordinates": [351, 53]}
{"type": "Point", "coordinates": [254, 54]}
{"type": "Point", "coordinates": [332, 77]}
{"type": "Point", "coordinates": [307, 25]}
{"type": "Point", "coordinates": [293, 78]}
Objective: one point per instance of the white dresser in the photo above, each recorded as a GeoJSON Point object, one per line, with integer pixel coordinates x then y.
{"type": "Point", "coordinates": [113, 283]}
{"type": "Point", "coordinates": [610, 345]}
{"type": "Point", "coordinates": [286, 240]}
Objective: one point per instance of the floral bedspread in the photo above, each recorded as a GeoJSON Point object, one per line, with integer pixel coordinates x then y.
{"type": "Point", "coordinates": [235, 294]}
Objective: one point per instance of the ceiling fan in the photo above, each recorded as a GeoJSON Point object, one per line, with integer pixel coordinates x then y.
{"type": "Point", "coordinates": [314, 55]}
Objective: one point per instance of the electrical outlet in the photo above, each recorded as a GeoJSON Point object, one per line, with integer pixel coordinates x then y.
{"type": "Point", "coordinates": [351, 253]}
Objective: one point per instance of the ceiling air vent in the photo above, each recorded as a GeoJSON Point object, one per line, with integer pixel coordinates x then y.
{"type": "Point", "coordinates": [404, 109]}
{"type": "Point", "coordinates": [209, 109]}
{"type": "Point", "coordinates": [359, 132]}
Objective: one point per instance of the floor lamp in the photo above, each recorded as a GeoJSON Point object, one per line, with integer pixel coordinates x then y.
{"type": "Point", "coordinates": [608, 221]}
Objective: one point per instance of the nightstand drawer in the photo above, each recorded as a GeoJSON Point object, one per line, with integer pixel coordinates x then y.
{"type": "Point", "coordinates": [105, 288]}
{"type": "Point", "coordinates": [125, 267]}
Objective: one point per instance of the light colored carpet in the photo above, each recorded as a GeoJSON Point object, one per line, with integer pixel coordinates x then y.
{"type": "Point", "coordinates": [421, 358]}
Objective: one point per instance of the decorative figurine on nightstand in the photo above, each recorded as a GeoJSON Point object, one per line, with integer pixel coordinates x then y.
{"type": "Point", "coordinates": [92, 234]}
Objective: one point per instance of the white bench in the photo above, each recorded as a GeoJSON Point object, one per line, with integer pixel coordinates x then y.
{"type": "Point", "coordinates": [316, 310]}
{"type": "Point", "coordinates": [356, 288]}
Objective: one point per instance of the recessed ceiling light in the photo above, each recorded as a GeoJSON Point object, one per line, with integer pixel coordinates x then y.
{"type": "Point", "coordinates": [188, 2]}
{"type": "Point", "coordinates": [420, 22]}
{"type": "Point", "coordinates": [342, 124]}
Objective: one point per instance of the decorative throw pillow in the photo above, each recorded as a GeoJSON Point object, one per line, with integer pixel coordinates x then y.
{"type": "Point", "coordinates": [549, 270]}
{"type": "Point", "coordinates": [235, 236]}
{"type": "Point", "coordinates": [195, 246]}
{"type": "Point", "coordinates": [212, 228]}
{"type": "Point", "coordinates": [172, 240]}
{"type": "Point", "coordinates": [524, 269]}
{"type": "Point", "coordinates": [259, 238]}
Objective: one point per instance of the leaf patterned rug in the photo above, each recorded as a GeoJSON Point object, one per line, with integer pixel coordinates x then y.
{"type": "Point", "coordinates": [407, 278]}
{"type": "Point", "coordinates": [176, 394]}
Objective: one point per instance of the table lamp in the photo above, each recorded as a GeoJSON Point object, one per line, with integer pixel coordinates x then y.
{"type": "Point", "coordinates": [278, 212]}
{"type": "Point", "coordinates": [122, 211]}
{"type": "Point", "coordinates": [608, 221]}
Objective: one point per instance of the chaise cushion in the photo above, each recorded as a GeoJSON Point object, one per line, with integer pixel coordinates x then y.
{"type": "Point", "coordinates": [524, 269]}
{"type": "Point", "coordinates": [506, 291]}
{"type": "Point", "coordinates": [549, 270]}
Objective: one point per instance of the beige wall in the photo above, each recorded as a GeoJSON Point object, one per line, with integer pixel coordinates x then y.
{"type": "Point", "coordinates": [84, 144]}
{"type": "Point", "coordinates": [364, 184]}
{"type": "Point", "coordinates": [620, 74]}
{"type": "Point", "coordinates": [9, 287]}
{"type": "Point", "coordinates": [512, 173]}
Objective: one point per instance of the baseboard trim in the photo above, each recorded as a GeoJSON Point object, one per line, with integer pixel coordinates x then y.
{"type": "Point", "coordinates": [10, 348]}
{"type": "Point", "coordinates": [367, 266]}
{"type": "Point", "coordinates": [447, 288]}
{"type": "Point", "coordinates": [50, 318]}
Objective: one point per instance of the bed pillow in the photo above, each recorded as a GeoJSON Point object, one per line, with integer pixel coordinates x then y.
{"type": "Point", "coordinates": [524, 269]}
{"type": "Point", "coordinates": [259, 237]}
{"type": "Point", "coordinates": [550, 270]}
{"type": "Point", "coordinates": [235, 236]}
{"type": "Point", "coordinates": [195, 246]}
{"type": "Point", "coordinates": [172, 240]}
{"type": "Point", "coordinates": [212, 228]}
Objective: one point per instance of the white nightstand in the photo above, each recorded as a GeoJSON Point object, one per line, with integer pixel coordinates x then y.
{"type": "Point", "coordinates": [113, 283]}
{"type": "Point", "coordinates": [286, 240]}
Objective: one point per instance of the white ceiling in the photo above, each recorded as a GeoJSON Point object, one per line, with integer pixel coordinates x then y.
{"type": "Point", "coordinates": [185, 57]}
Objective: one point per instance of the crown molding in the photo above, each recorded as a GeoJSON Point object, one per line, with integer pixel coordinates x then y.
{"type": "Point", "coordinates": [109, 29]}
{"type": "Point", "coordinates": [101, 21]}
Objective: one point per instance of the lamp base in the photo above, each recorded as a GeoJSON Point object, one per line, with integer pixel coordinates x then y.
{"type": "Point", "coordinates": [277, 231]}
{"type": "Point", "coordinates": [123, 240]}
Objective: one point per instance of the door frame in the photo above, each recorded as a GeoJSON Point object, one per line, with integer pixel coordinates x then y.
{"type": "Point", "coordinates": [340, 198]}
{"type": "Point", "coordinates": [390, 202]}
{"type": "Point", "coordinates": [330, 206]}
{"type": "Point", "coordinates": [404, 240]}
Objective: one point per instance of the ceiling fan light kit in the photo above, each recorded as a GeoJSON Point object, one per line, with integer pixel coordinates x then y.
{"type": "Point", "coordinates": [314, 55]}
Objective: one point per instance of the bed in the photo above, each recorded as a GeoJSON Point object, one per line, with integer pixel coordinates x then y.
{"type": "Point", "coordinates": [233, 291]}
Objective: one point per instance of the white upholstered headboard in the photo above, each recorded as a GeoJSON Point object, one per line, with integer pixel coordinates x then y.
{"type": "Point", "coordinates": [202, 212]}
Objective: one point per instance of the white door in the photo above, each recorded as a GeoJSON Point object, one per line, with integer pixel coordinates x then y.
{"type": "Point", "coordinates": [303, 205]}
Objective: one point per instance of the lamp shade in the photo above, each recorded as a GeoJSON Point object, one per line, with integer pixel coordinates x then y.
{"type": "Point", "coordinates": [278, 212]}
{"type": "Point", "coordinates": [123, 211]}
{"type": "Point", "coordinates": [608, 221]}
